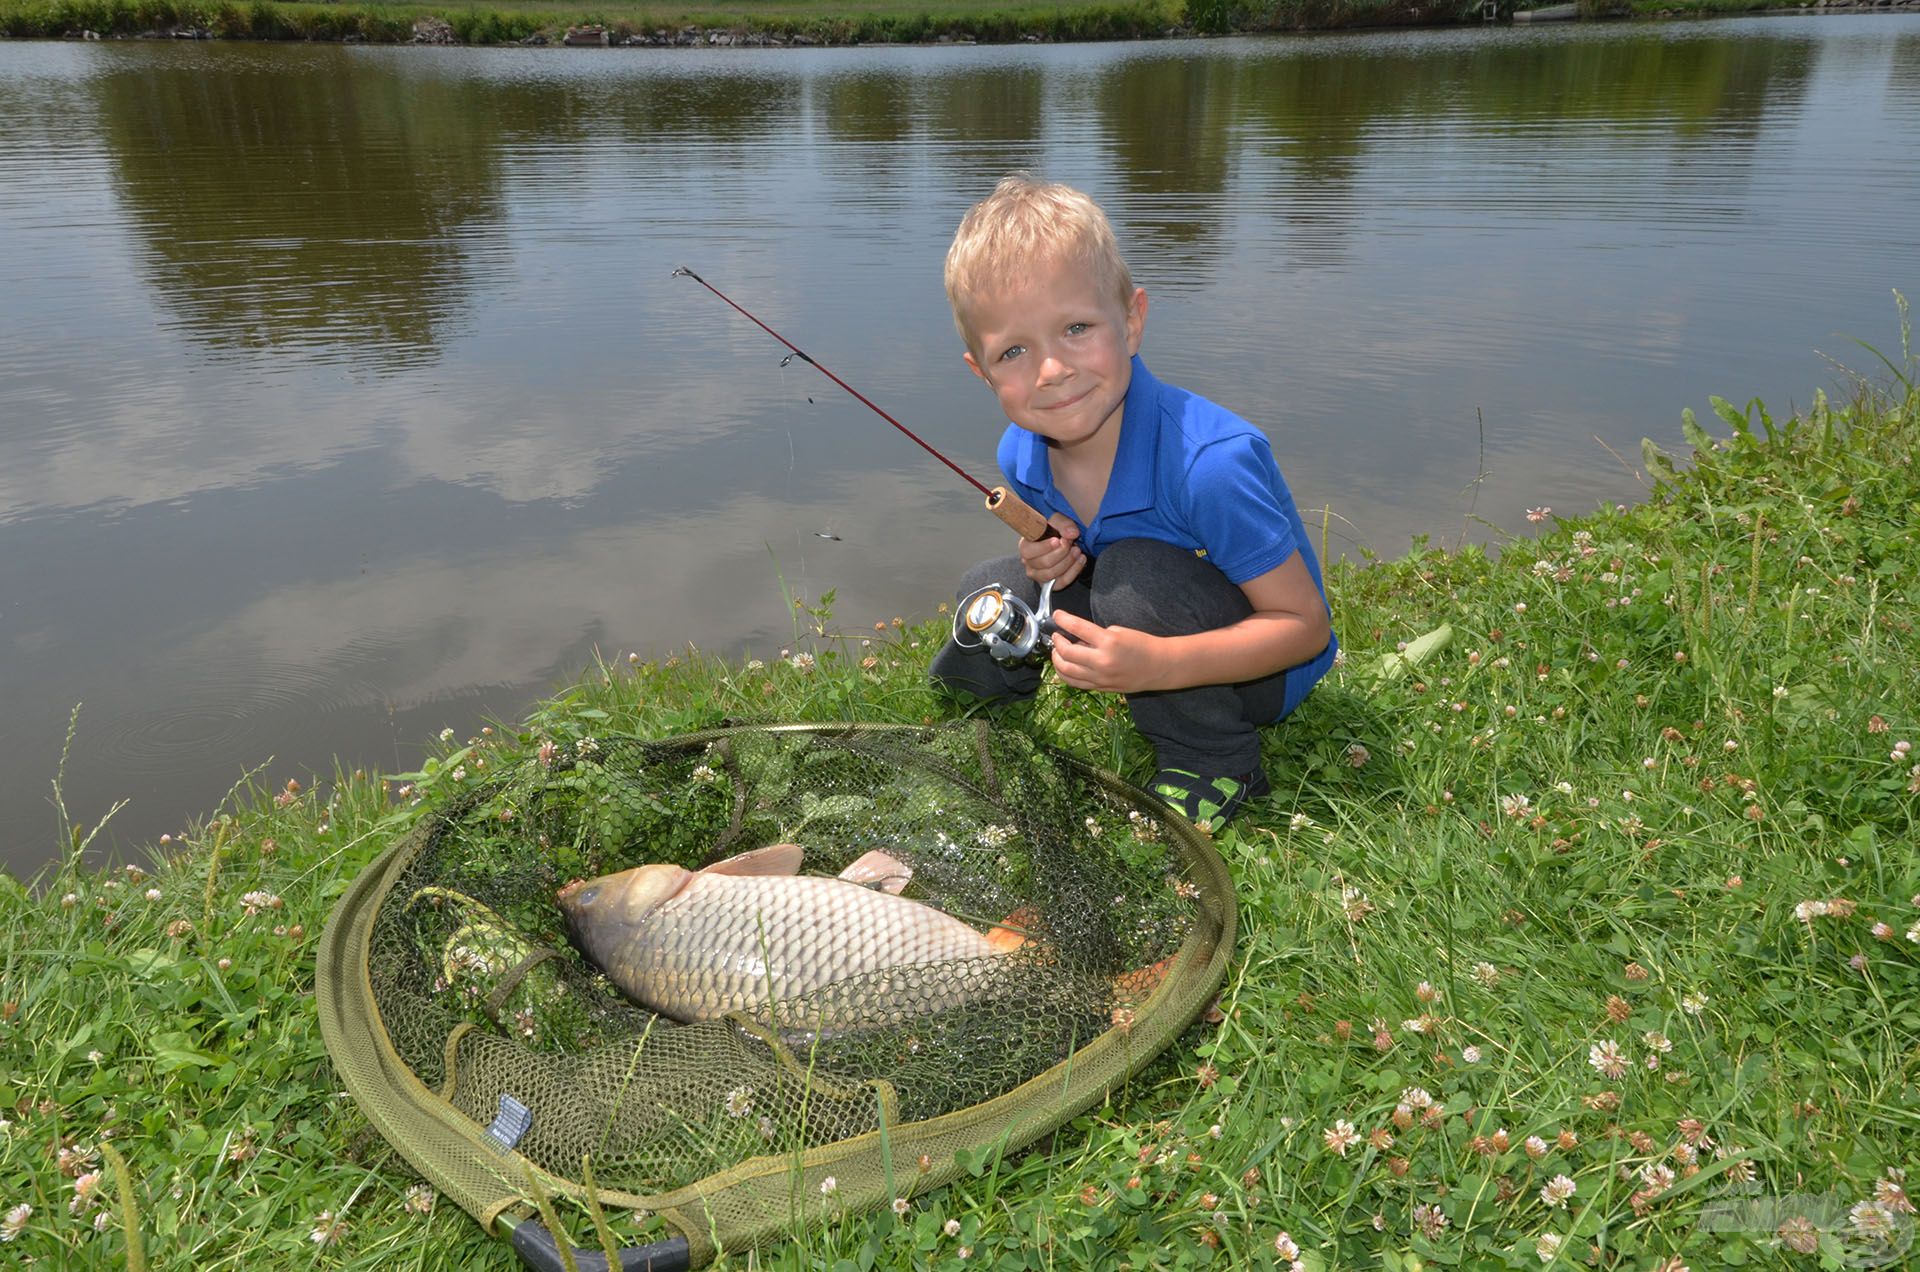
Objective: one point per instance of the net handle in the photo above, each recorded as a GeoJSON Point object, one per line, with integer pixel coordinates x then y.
{"type": "Point", "coordinates": [539, 1250]}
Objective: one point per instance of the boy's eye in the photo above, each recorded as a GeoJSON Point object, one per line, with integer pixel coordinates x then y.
{"type": "Point", "coordinates": [1077, 328]}
{"type": "Point", "coordinates": [1011, 352]}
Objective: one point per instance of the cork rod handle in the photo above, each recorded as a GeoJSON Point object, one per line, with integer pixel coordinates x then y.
{"type": "Point", "coordinates": [1017, 513]}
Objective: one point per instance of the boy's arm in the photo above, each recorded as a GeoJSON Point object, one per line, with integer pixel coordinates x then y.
{"type": "Point", "coordinates": [1288, 626]}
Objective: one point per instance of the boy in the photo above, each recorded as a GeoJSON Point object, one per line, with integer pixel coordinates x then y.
{"type": "Point", "coordinates": [1183, 577]}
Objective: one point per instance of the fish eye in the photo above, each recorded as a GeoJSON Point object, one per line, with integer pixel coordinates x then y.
{"type": "Point", "coordinates": [588, 896]}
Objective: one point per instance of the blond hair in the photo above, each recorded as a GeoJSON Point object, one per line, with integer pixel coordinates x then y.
{"type": "Point", "coordinates": [1027, 222]}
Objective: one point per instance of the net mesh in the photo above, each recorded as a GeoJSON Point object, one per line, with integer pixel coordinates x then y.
{"type": "Point", "coordinates": [448, 979]}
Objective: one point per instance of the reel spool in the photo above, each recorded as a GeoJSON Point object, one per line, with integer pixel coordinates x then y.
{"type": "Point", "coordinates": [1011, 631]}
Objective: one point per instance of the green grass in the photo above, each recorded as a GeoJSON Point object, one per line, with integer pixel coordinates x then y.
{"type": "Point", "coordinates": [1650, 798]}
{"type": "Point", "coordinates": [489, 22]}
{"type": "Point", "coordinates": [814, 21]}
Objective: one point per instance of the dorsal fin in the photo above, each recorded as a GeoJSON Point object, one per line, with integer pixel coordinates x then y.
{"type": "Point", "coordinates": [774, 859]}
{"type": "Point", "coordinates": [878, 870]}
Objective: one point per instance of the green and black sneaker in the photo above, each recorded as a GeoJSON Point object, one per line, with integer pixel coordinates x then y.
{"type": "Point", "coordinates": [1208, 802]}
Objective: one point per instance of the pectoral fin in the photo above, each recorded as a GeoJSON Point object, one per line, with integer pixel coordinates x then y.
{"type": "Point", "coordinates": [878, 870]}
{"type": "Point", "coordinates": [773, 860]}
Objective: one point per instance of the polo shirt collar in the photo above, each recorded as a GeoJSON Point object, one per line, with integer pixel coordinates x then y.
{"type": "Point", "coordinates": [1130, 487]}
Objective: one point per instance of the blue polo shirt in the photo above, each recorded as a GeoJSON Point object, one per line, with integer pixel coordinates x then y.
{"type": "Point", "coordinates": [1189, 473]}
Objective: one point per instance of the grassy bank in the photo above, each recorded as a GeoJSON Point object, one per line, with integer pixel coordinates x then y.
{"type": "Point", "coordinates": [461, 21]}
{"type": "Point", "coordinates": [762, 22]}
{"type": "Point", "coordinates": [1592, 940]}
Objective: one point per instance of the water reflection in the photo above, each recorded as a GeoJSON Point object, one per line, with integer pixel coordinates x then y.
{"type": "Point", "coordinates": [344, 393]}
{"type": "Point", "coordinates": [289, 200]}
{"type": "Point", "coordinates": [1169, 127]}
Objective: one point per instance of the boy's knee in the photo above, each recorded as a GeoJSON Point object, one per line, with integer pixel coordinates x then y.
{"type": "Point", "coordinates": [1164, 590]}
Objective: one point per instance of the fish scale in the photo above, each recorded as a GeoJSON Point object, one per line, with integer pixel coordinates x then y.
{"type": "Point", "coordinates": [723, 943]}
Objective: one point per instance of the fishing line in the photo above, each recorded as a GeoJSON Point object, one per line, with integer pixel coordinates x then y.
{"type": "Point", "coordinates": [1003, 503]}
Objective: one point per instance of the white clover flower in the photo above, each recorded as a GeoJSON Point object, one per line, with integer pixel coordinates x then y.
{"type": "Point", "coordinates": [1557, 1192]}
{"type": "Point", "coordinates": [951, 1227]}
{"type": "Point", "coordinates": [16, 1220]}
{"type": "Point", "coordinates": [259, 900]}
{"type": "Point", "coordinates": [1605, 1056]}
{"type": "Point", "coordinates": [1340, 1136]}
{"type": "Point", "coordinates": [740, 1101]}
{"type": "Point", "coordinates": [327, 1230]}
{"type": "Point", "coordinates": [1695, 1003]}
{"type": "Point", "coordinates": [829, 1186]}
{"type": "Point", "coordinates": [1871, 1220]}
{"type": "Point", "coordinates": [1548, 1246]}
{"type": "Point", "coordinates": [1470, 1054]}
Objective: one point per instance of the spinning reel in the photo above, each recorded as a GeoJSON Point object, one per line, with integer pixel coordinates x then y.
{"type": "Point", "coordinates": [1012, 632]}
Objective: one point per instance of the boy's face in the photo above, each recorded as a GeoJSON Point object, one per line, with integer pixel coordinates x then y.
{"type": "Point", "coordinates": [1056, 347]}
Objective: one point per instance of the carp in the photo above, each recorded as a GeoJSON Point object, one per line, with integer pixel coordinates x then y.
{"type": "Point", "coordinates": [750, 934]}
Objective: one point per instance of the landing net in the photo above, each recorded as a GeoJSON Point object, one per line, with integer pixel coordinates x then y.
{"type": "Point", "coordinates": [491, 1053]}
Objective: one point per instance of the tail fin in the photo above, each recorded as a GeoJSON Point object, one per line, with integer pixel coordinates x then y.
{"type": "Point", "coordinates": [1014, 931]}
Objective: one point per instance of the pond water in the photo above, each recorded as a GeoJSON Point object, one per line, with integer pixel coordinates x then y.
{"type": "Point", "coordinates": [346, 394]}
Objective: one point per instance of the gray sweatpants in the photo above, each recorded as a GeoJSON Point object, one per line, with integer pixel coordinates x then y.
{"type": "Point", "coordinates": [1154, 587]}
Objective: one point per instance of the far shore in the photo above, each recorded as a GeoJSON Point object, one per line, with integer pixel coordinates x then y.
{"type": "Point", "coordinates": [801, 23]}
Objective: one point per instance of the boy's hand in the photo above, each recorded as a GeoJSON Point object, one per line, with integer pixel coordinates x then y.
{"type": "Point", "coordinates": [1060, 559]}
{"type": "Point", "coordinates": [1105, 659]}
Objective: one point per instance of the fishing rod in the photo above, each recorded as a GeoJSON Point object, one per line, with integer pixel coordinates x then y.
{"type": "Point", "coordinates": [1001, 502]}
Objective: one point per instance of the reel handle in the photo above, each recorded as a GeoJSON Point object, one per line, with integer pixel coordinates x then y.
{"type": "Point", "coordinates": [1019, 514]}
